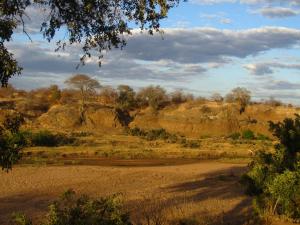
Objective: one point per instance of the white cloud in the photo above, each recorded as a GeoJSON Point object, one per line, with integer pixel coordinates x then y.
{"type": "Point", "coordinates": [180, 55]}
{"type": "Point", "coordinates": [278, 12]}
{"type": "Point", "coordinates": [203, 45]}
{"type": "Point", "coordinates": [268, 67]}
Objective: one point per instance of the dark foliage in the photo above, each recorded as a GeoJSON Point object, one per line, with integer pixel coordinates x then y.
{"type": "Point", "coordinates": [96, 25]}
{"type": "Point", "coordinates": [248, 135]}
{"type": "Point", "coordinates": [73, 210]}
{"type": "Point", "coordinates": [11, 142]}
{"type": "Point", "coordinates": [274, 178]}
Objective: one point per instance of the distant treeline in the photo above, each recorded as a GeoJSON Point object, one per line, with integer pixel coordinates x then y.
{"type": "Point", "coordinates": [85, 89]}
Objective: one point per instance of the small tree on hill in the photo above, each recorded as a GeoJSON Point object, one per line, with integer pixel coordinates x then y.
{"type": "Point", "coordinates": [153, 96]}
{"type": "Point", "coordinates": [86, 86]}
{"type": "Point", "coordinates": [108, 95]}
{"type": "Point", "coordinates": [242, 96]}
{"type": "Point", "coordinates": [55, 94]}
{"type": "Point", "coordinates": [126, 98]}
{"type": "Point", "coordinates": [216, 97]}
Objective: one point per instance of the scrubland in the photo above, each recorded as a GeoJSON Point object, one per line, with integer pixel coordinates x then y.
{"type": "Point", "coordinates": [179, 163]}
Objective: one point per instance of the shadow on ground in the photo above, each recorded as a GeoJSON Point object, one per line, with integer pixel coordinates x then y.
{"type": "Point", "coordinates": [222, 186]}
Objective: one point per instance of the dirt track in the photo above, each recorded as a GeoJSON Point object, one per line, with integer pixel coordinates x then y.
{"type": "Point", "coordinates": [211, 185]}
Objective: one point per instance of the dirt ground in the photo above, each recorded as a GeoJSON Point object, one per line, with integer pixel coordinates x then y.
{"type": "Point", "coordinates": [195, 188]}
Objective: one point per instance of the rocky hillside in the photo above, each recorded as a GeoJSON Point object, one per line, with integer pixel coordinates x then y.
{"type": "Point", "coordinates": [191, 119]}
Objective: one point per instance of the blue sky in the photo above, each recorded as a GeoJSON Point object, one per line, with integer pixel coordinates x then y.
{"type": "Point", "coordinates": [209, 46]}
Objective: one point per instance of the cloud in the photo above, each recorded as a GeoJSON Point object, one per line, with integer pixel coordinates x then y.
{"type": "Point", "coordinates": [225, 21]}
{"type": "Point", "coordinates": [278, 12]}
{"type": "Point", "coordinates": [267, 67]}
{"type": "Point", "coordinates": [211, 2]}
{"type": "Point", "coordinates": [218, 17]}
{"type": "Point", "coordinates": [204, 45]}
{"type": "Point", "coordinates": [259, 69]}
{"type": "Point", "coordinates": [249, 2]}
{"type": "Point", "coordinates": [178, 56]}
{"type": "Point", "coordinates": [33, 18]}
{"type": "Point", "coordinates": [282, 85]}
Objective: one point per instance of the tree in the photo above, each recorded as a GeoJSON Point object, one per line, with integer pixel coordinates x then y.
{"type": "Point", "coordinates": [274, 177]}
{"type": "Point", "coordinates": [86, 86]}
{"type": "Point", "coordinates": [153, 96]}
{"type": "Point", "coordinates": [273, 102]}
{"type": "Point", "coordinates": [178, 97]}
{"type": "Point", "coordinates": [241, 96]}
{"type": "Point", "coordinates": [55, 94]}
{"type": "Point", "coordinates": [11, 142]}
{"type": "Point", "coordinates": [97, 25]}
{"type": "Point", "coordinates": [216, 97]}
{"type": "Point", "coordinates": [126, 98]}
{"type": "Point", "coordinates": [108, 95]}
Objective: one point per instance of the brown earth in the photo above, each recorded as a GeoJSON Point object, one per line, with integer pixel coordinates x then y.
{"type": "Point", "coordinates": [203, 188]}
{"type": "Point", "coordinates": [192, 119]}
{"type": "Point", "coordinates": [212, 119]}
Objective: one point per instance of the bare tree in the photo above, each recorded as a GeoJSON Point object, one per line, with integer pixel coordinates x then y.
{"type": "Point", "coordinates": [241, 96]}
{"type": "Point", "coordinates": [153, 96]}
{"type": "Point", "coordinates": [216, 97]}
{"type": "Point", "coordinates": [87, 86]}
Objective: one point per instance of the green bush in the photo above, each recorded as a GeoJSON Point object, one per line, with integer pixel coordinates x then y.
{"type": "Point", "coordinates": [11, 141]}
{"type": "Point", "coordinates": [274, 177]}
{"type": "Point", "coordinates": [284, 189]}
{"type": "Point", "coordinates": [154, 134]}
{"type": "Point", "coordinates": [21, 219]}
{"type": "Point", "coordinates": [248, 134]}
{"type": "Point", "coordinates": [46, 138]}
{"type": "Point", "coordinates": [72, 210]}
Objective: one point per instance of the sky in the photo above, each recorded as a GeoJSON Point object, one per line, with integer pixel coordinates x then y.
{"type": "Point", "coordinates": [208, 46]}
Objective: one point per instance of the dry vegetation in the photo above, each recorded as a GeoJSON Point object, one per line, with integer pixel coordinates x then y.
{"type": "Point", "coordinates": [175, 158]}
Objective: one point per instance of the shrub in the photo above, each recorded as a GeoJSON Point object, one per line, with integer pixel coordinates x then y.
{"type": "Point", "coordinates": [273, 102]}
{"type": "Point", "coordinates": [154, 134]}
{"type": "Point", "coordinates": [178, 97]}
{"type": "Point", "coordinates": [205, 109]}
{"type": "Point", "coordinates": [11, 141]}
{"type": "Point", "coordinates": [248, 134]}
{"type": "Point", "coordinates": [262, 137]}
{"type": "Point", "coordinates": [189, 143]}
{"type": "Point", "coordinates": [157, 134]}
{"type": "Point", "coordinates": [137, 132]}
{"type": "Point", "coordinates": [235, 136]}
{"type": "Point", "coordinates": [73, 210]}
{"type": "Point", "coordinates": [241, 96]}
{"type": "Point", "coordinates": [46, 138]}
{"type": "Point", "coordinates": [216, 97]}
{"type": "Point", "coordinates": [284, 189]}
{"type": "Point", "coordinates": [153, 96]}
{"type": "Point", "coordinates": [21, 219]}
{"type": "Point", "coordinates": [126, 98]}
{"type": "Point", "coordinates": [274, 178]}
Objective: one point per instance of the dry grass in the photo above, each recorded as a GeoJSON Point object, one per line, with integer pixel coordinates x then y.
{"type": "Point", "coordinates": [96, 147]}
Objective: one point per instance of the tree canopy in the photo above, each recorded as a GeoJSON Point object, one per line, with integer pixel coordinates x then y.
{"type": "Point", "coordinates": [97, 25]}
